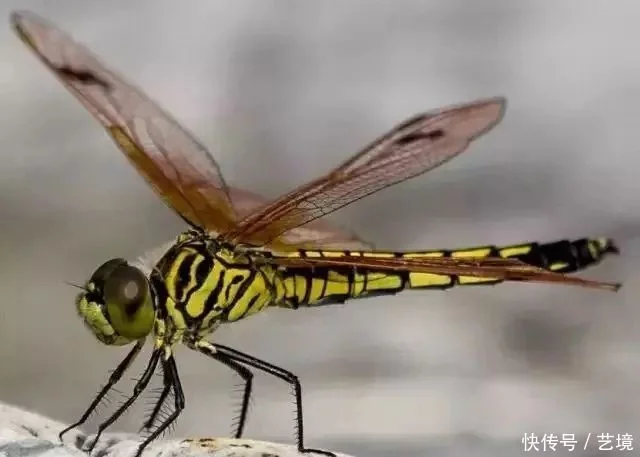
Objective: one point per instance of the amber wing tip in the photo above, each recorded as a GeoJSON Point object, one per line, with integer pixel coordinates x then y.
{"type": "Point", "coordinates": [18, 16]}
{"type": "Point", "coordinates": [608, 286]}
{"type": "Point", "coordinates": [602, 285]}
{"type": "Point", "coordinates": [615, 286]}
{"type": "Point", "coordinates": [21, 21]}
{"type": "Point", "coordinates": [496, 104]}
{"type": "Point", "coordinates": [15, 17]}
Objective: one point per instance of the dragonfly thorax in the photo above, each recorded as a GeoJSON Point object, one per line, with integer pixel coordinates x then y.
{"type": "Point", "coordinates": [200, 283]}
{"type": "Point", "coordinates": [117, 304]}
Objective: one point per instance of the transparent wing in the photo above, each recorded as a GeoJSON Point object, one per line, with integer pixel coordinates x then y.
{"type": "Point", "coordinates": [414, 147]}
{"type": "Point", "coordinates": [174, 163]}
{"type": "Point", "coordinates": [486, 267]}
{"type": "Point", "coordinates": [314, 235]}
{"type": "Point", "coordinates": [178, 168]}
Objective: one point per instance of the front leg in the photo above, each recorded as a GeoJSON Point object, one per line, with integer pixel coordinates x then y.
{"type": "Point", "coordinates": [137, 390]}
{"type": "Point", "coordinates": [171, 380]}
{"type": "Point", "coordinates": [113, 379]}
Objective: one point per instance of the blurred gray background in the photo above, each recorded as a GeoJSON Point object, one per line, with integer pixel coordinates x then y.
{"type": "Point", "coordinates": [282, 91]}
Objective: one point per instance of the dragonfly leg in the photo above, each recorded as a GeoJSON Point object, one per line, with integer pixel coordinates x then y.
{"type": "Point", "coordinates": [209, 350]}
{"type": "Point", "coordinates": [283, 374]}
{"type": "Point", "coordinates": [113, 379]}
{"type": "Point", "coordinates": [140, 386]}
{"type": "Point", "coordinates": [171, 380]}
{"type": "Point", "coordinates": [166, 389]}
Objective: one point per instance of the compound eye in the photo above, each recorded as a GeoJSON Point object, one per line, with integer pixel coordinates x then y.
{"type": "Point", "coordinates": [118, 304]}
{"type": "Point", "coordinates": [104, 271]}
{"type": "Point", "coordinates": [125, 287]}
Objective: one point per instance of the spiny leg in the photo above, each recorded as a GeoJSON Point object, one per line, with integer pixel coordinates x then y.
{"type": "Point", "coordinates": [113, 379]}
{"type": "Point", "coordinates": [166, 388]}
{"type": "Point", "coordinates": [171, 380]}
{"type": "Point", "coordinates": [247, 377]}
{"type": "Point", "coordinates": [137, 390]}
{"type": "Point", "coordinates": [279, 373]}
{"type": "Point", "coordinates": [209, 350]}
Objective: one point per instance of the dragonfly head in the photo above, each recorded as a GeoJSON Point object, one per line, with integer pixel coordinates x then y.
{"type": "Point", "coordinates": [116, 303]}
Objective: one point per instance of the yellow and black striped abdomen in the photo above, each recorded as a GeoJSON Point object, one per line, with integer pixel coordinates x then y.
{"type": "Point", "coordinates": [335, 285]}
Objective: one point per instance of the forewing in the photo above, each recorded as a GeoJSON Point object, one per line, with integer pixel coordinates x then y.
{"type": "Point", "coordinates": [415, 146]}
{"type": "Point", "coordinates": [314, 235]}
{"type": "Point", "coordinates": [486, 267]}
{"type": "Point", "coordinates": [175, 164]}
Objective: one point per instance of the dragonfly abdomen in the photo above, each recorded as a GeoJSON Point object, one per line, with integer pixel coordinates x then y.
{"type": "Point", "coordinates": [328, 285]}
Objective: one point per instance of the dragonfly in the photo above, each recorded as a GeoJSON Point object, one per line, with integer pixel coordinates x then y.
{"type": "Point", "coordinates": [242, 254]}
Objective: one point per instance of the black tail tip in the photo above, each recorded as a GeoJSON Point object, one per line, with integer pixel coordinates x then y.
{"type": "Point", "coordinates": [609, 246]}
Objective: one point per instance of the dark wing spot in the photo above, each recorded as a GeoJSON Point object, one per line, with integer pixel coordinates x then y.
{"type": "Point", "coordinates": [418, 136]}
{"type": "Point", "coordinates": [83, 76]}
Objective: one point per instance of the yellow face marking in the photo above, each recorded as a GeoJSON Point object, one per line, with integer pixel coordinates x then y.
{"type": "Point", "coordinates": [94, 317]}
